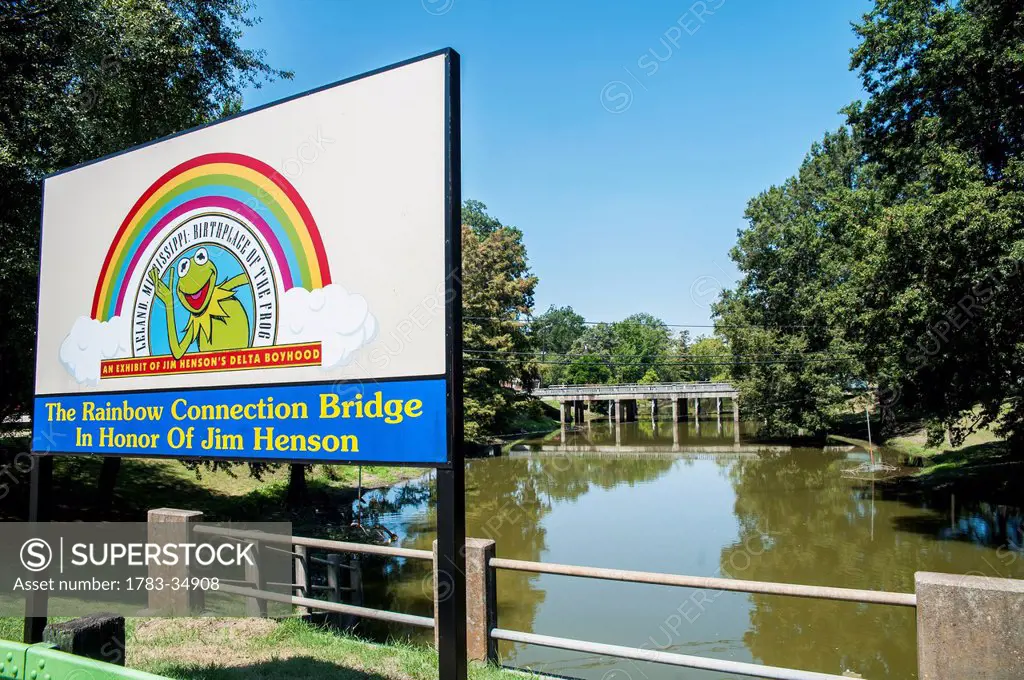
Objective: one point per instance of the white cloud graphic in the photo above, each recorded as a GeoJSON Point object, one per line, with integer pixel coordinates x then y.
{"type": "Point", "coordinates": [90, 342]}
{"type": "Point", "coordinates": [340, 320]}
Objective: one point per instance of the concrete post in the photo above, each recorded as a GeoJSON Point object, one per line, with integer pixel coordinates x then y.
{"type": "Point", "coordinates": [696, 408]}
{"type": "Point", "coordinates": [616, 407]}
{"type": "Point", "coordinates": [969, 627]}
{"type": "Point", "coordinates": [257, 579]}
{"type": "Point", "coordinates": [334, 585]}
{"type": "Point", "coordinates": [561, 414]}
{"type": "Point", "coordinates": [654, 408]}
{"type": "Point", "coordinates": [735, 420]}
{"type": "Point", "coordinates": [481, 601]}
{"type": "Point", "coordinates": [302, 577]}
{"type": "Point", "coordinates": [718, 407]}
{"type": "Point", "coordinates": [675, 408]}
{"type": "Point", "coordinates": [167, 525]}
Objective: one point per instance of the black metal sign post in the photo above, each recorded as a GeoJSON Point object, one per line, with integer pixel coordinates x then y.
{"type": "Point", "coordinates": [450, 570]}
{"type": "Point", "coordinates": [39, 500]}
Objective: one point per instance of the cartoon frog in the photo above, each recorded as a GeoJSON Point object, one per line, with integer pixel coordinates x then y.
{"type": "Point", "coordinates": [216, 316]}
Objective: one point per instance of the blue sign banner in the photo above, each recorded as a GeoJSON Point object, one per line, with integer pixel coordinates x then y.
{"type": "Point", "coordinates": [379, 422]}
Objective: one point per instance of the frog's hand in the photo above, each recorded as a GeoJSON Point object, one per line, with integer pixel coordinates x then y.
{"type": "Point", "coordinates": [235, 282]}
{"type": "Point", "coordinates": [162, 291]}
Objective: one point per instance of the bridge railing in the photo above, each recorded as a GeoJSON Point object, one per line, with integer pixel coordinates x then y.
{"type": "Point", "coordinates": [967, 626]}
{"type": "Point", "coordinates": [634, 389]}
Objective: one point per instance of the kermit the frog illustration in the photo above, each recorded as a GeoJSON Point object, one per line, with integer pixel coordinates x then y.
{"type": "Point", "coordinates": [216, 317]}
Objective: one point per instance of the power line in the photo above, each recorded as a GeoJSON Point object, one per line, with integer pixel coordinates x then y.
{"type": "Point", "coordinates": [534, 321]}
{"type": "Point", "coordinates": [676, 363]}
{"type": "Point", "coordinates": [681, 357]}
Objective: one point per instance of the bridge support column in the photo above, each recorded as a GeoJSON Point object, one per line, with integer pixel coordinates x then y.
{"type": "Point", "coordinates": [615, 410]}
{"type": "Point", "coordinates": [735, 419]}
{"type": "Point", "coordinates": [654, 408]}
{"type": "Point", "coordinates": [675, 408]}
{"type": "Point", "coordinates": [718, 406]}
{"type": "Point", "coordinates": [562, 406]}
{"type": "Point", "coordinates": [696, 408]}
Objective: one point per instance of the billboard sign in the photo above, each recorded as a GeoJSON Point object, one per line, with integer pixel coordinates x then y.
{"type": "Point", "coordinates": [274, 286]}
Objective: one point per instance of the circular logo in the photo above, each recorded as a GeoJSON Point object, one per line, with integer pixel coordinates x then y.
{"type": "Point", "coordinates": [616, 674]}
{"type": "Point", "coordinates": [437, 7]}
{"type": "Point", "coordinates": [80, 674]}
{"type": "Point", "coordinates": [616, 96]}
{"type": "Point", "coordinates": [705, 290]}
{"type": "Point", "coordinates": [36, 554]}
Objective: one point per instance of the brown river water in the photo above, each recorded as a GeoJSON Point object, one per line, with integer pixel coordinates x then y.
{"type": "Point", "coordinates": [683, 500]}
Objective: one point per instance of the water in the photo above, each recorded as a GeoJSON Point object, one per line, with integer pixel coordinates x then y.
{"type": "Point", "coordinates": [654, 497]}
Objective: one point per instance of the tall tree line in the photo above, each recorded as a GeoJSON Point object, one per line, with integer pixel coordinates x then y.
{"type": "Point", "coordinates": [891, 261]}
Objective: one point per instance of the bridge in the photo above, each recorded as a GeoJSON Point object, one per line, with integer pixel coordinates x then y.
{"type": "Point", "coordinates": [622, 399]}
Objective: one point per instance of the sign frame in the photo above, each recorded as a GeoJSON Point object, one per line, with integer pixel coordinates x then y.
{"type": "Point", "coordinates": [451, 516]}
{"type": "Point", "coordinates": [452, 375]}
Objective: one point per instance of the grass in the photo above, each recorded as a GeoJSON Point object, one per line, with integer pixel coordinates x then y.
{"type": "Point", "coordinates": [983, 466]}
{"type": "Point", "coordinates": [242, 649]}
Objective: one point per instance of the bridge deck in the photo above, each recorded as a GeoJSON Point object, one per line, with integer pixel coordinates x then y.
{"type": "Point", "coordinates": [699, 390]}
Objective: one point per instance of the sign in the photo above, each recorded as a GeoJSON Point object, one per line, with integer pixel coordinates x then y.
{"type": "Point", "coordinates": [273, 286]}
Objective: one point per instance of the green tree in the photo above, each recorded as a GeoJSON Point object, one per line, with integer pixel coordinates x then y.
{"type": "Point", "coordinates": [588, 369]}
{"type": "Point", "coordinates": [555, 332]}
{"type": "Point", "coordinates": [640, 342]}
{"type": "Point", "coordinates": [783, 320]}
{"type": "Point", "coordinates": [892, 259]}
{"type": "Point", "coordinates": [497, 290]}
{"type": "Point", "coordinates": [942, 72]}
{"type": "Point", "coordinates": [84, 78]}
{"type": "Point", "coordinates": [475, 216]}
{"type": "Point", "coordinates": [707, 359]}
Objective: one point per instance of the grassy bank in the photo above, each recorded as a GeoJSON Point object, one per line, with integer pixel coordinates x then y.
{"type": "Point", "coordinates": [984, 466]}
{"type": "Point", "coordinates": [240, 649]}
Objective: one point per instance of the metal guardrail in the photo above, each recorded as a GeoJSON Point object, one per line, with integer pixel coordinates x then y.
{"type": "Point", "coordinates": [321, 543]}
{"type": "Point", "coordinates": [259, 596]}
{"type": "Point", "coordinates": [712, 583]}
{"type": "Point", "coordinates": [668, 658]}
{"type": "Point", "coordinates": [488, 564]}
{"type": "Point", "coordinates": [334, 607]}
{"type": "Point", "coordinates": [632, 389]}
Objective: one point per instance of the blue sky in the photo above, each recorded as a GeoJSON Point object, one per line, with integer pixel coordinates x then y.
{"type": "Point", "coordinates": [624, 138]}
